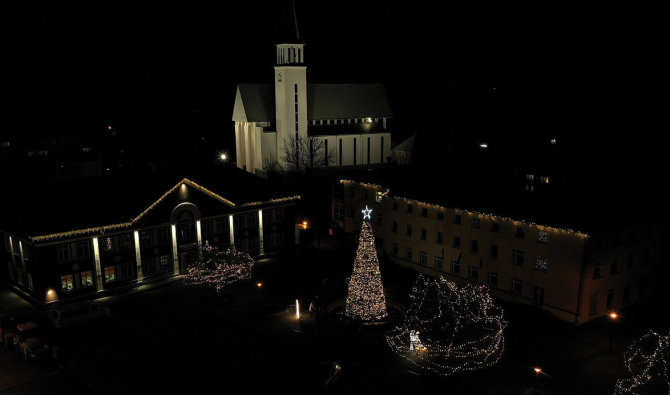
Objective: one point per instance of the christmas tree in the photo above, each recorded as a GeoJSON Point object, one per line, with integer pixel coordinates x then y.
{"type": "Point", "coordinates": [366, 294]}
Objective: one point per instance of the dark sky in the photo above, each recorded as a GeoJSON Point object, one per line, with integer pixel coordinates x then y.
{"type": "Point", "coordinates": [504, 70]}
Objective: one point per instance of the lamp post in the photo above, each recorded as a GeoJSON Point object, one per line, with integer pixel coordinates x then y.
{"type": "Point", "coordinates": [613, 316]}
{"type": "Point", "coordinates": [537, 371]}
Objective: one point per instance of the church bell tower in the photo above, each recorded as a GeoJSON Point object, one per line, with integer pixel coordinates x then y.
{"type": "Point", "coordinates": [290, 94]}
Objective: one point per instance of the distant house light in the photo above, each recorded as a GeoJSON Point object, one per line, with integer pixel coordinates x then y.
{"type": "Point", "coordinates": [43, 152]}
{"type": "Point", "coordinates": [544, 180]}
{"type": "Point", "coordinates": [530, 177]}
{"type": "Point", "coordinates": [85, 149]}
{"type": "Point", "coordinates": [6, 144]}
{"type": "Point", "coordinates": [553, 141]}
{"type": "Point", "coordinates": [483, 145]}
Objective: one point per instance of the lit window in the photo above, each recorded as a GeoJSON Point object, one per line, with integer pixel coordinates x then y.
{"type": "Point", "coordinates": [530, 177]}
{"type": "Point", "coordinates": [107, 244]}
{"type": "Point", "coordinates": [110, 273]}
{"type": "Point", "coordinates": [378, 197]}
{"type": "Point", "coordinates": [541, 263]}
{"type": "Point", "coordinates": [86, 279]}
{"type": "Point", "coordinates": [66, 282]}
{"type": "Point", "coordinates": [544, 180]}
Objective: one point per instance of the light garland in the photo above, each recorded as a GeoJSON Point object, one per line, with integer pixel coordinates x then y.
{"type": "Point", "coordinates": [365, 299]}
{"type": "Point", "coordinates": [461, 328]}
{"type": "Point", "coordinates": [185, 181]}
{"type": "Point", "coordinates": [219, 268]}
{"type": "Point", "coordinates": [647, 362]}
{"type": "Point", "coordinates": [488, 216]}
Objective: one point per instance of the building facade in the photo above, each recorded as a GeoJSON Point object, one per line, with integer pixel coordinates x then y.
{"type": "Point", "coordinates": [160, 242]}
{"type": "Point", "coordinates": [345, 123]}
{"type": "Point", "coordinates": [575, 276]}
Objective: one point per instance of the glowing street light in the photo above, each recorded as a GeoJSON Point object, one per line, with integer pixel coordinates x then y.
{"type": "Point", "coordinates": [613, 316]}
{"type": "Point", "coordinates": [259, 285]}
{"type": "Point", "coordinates": [537, 370]}
{"type": "Point", "coordinates": [223, 157]}
{"type": "Point", "coordinates": [297, 309]}
{"type": "Point", "coordinates": [483, 146]}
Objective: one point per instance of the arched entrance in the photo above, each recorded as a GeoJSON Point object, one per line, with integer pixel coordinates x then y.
{"type": "Point", "coordinates": [184, 217]}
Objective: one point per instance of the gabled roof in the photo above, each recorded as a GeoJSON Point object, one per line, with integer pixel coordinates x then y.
{"type": "Point", "coordinates": [255, 102]}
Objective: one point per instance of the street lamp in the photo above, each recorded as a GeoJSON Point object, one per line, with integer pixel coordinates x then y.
{"type": "Point", "coordinates": [223, 157]}
{"type": "Point", "coordinates": [538, 371]}
{"type": "Point", "coordinates": [613, 316]}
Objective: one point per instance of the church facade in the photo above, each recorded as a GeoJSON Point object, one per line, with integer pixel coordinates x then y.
{"type": "Point", "coordinates": [282, 124]}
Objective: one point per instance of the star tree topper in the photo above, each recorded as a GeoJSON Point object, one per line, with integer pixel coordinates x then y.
{"type": "Point", "coordinates": [366, 212]}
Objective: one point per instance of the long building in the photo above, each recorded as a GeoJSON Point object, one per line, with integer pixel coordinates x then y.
{"type": "Point", "coordinates": [574, 275]}
{"type": "Point", "coordinates": [92, 249]}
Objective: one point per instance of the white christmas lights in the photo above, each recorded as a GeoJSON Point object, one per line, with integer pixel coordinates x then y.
{"type": "Point", "coordinates": [647, 362]}
{"type": "Point", "coordinates": [461, 328]}
{"type": "Point", "coordinates": [365, 299]}
{"type": "Point", "coordinates": [219, 268]}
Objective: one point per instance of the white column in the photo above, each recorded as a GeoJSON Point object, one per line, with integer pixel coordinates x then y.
{"type": "Point", "coordinates": [138, 256]}
{"type": "Point", "coordinates": [239, 158]}
{"type": "Point", "coordinates": [260, 231]}
{"type": "Point", "coordinates": [98, 269]}
{"type": "Point", "coordinates": [198, 234]}
{"type": "Point", "coordinates": [11, 250]}
{"type": "Point", "coordinates": [175, 257]}
{"type": "Point", "coordinates": [23, 260]}
{"type": "Point", "coordinates": [247, 147]}
{"type": "Point", "coordinates": [231, 230]}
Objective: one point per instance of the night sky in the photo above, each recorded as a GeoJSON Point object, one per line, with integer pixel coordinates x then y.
{"type": "Point", "coordinates": [506, 71]}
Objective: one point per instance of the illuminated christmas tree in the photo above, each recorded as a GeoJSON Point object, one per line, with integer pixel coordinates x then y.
{"type": "Point", "coordinates": [219, 268]}
{"type": "Point", "coordinates": [448, 329]}
{"type": "Point", "coordinates": [365, 299]}
{"type": "Point", "coordinates": [647, 361]}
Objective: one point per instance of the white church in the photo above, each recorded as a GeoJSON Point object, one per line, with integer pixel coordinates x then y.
{"type": "Point", "coordinates": [346, 121]}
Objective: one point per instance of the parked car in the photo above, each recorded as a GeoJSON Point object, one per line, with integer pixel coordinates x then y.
{"type": "Point", "coordinates": [77, 313]}
{"type": "Point", "coordinates": [28, 343]}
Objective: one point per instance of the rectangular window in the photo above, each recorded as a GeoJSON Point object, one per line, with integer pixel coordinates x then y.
{"type": "Point", "coordinates": [440, 216]}
{"type": "Point", "coordinates": [86, 279]}
{"type": "Point", "coordinates": [63, 251]}
{"type": "Point", "coordinates": [355, 152]}
{"type": "Point", "coordinates": [614, 269]}
{"type": "Point", "coordinates": [439, 238]}
{"type": "Point", "coordinates": [457, 242]}
{"type": "Point", "coordinates": [162, 235]}
{"type": "Point", "coordinates": [543, 237]}
{"type": "Point", "coordinates": [423, 258]}
{"type": "Point", "coordinates": [610, 299]}
{"type": "Point", "coordinates": [455, 267]}
{"type": "Point", "coordinates": [107, 245]}
{"type": "Point", "coordinates": [378, 197]}
{"type": "Point", "coordinates": [596, 270]}
{"type": "Point", "coordinates": [520, 232]}
{"type": "Point", "coordinates": [164, 261]}
{"type": "Point", "coordinates": [437, 262]}
{"type": "Point", "coordinates": [394, 227]}
{"type": "Point", "coordinates": [475, 223]}
{"type": "Point", "coordinates": [538, 296]}
{"type": "Point", "coordinates": [125, 242]}
{"type": "Point", "coordinates": [394, 249]}
{"type": "Point", "coordinates": [409, 209]}
{"type": "Point", "coordinates": [409, 230]}
{"type": "Point", "coordinates": [395, 206]}
{"type": "Point", "coordinates": [146, 238]}
{"type": "Point", "coordinates": [208, 224]}
{"type": "Point", "coordinates": [541, 263]}
{"type": "Point", "coordinates": [474, 247]}
{"type": "Point", "coordinates": [379, 219]}
{"type": "Point", "coordinates": [368, 150]}
{"type": "Point", "coordinates": [517, 257]}
{"type": "Point", "coordinates": [517, 286]}
{"type": "Point", "coordinates": [493, 279]}
{"type": "Point", "coordinates": [424, 212]}
{"type": "Point", "coordinates": [495, 227]}
{"type": "Point", "coordinates": [424, 234]}
{"type": "Point", "coordinates": [67, 284]}
{"type": "Point", "coordinates": [381, 149]}
{"type": "Point", "coordinates": [110, 273]}
{"type": "Point", "coordinates": [340, 156]}
{"type": "Point", "coordinates": [593, 304]}
{"type": "Point", "coordinates": [408, 253]}
{"type": "Point", "coordinates": [494, 251]}
{"type": "Point", "coordinates": [473, 272]}
{"type": "Point", "coordinates": [457, 219]}
{"type": "Point", "coordinates": [83, 249]}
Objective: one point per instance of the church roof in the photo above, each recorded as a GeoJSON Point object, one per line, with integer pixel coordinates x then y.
{"type": "Point", "coordinates": [255, 102]}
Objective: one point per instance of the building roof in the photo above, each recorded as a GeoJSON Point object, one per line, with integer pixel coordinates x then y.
{"type": "Point", "coordinates": [119, 202]}
{"type": "Point", "coordinates": [255, 102]}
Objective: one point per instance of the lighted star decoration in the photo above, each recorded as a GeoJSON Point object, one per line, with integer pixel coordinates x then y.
{"type": "Point", "coordinates": [647, 361]}
{"type": "Point", "coordinates": [366, 212]}
{"type": "Point", "coordinates": [461, 328]}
